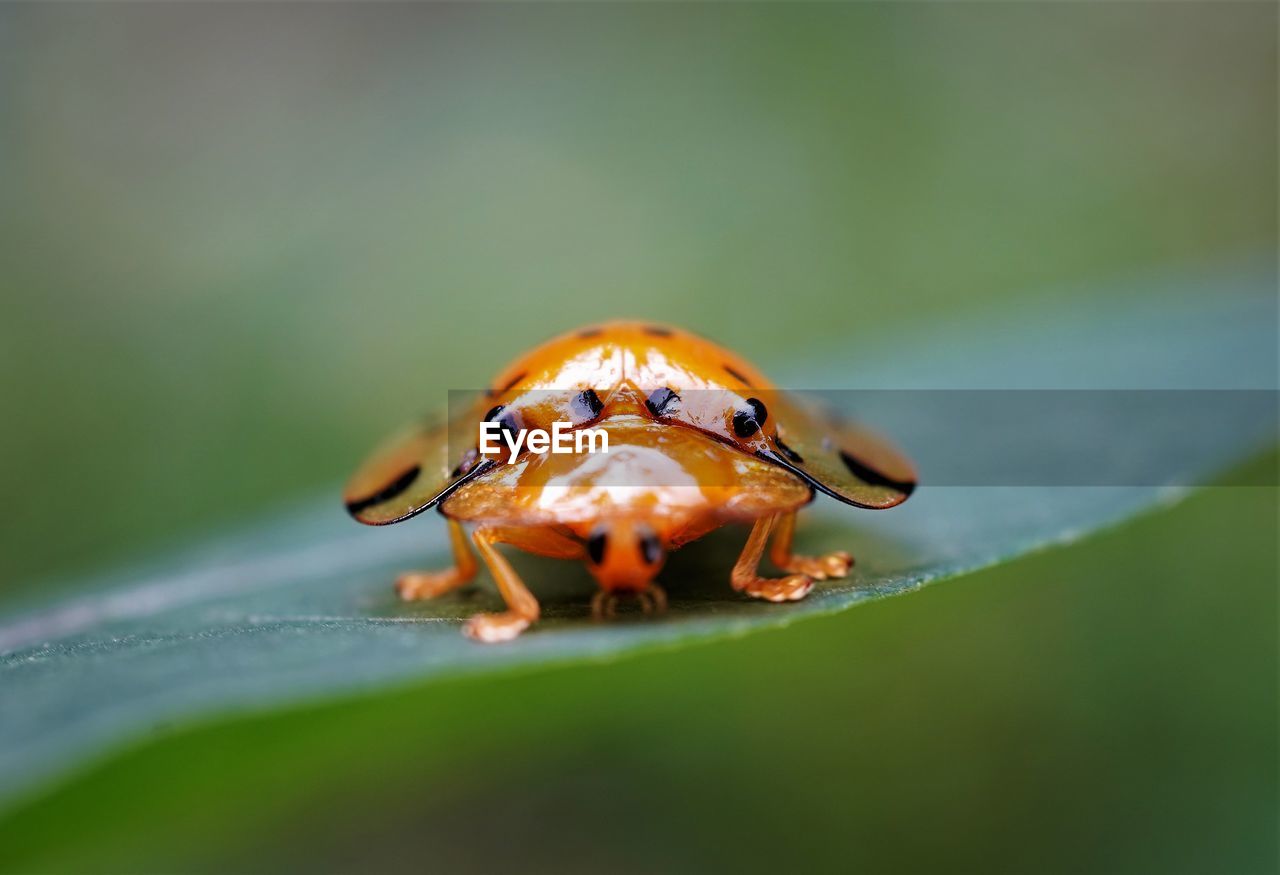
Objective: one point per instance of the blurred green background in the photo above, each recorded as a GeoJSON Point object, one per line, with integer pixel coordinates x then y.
{"type": "Point", "coordinates": [239, 242]}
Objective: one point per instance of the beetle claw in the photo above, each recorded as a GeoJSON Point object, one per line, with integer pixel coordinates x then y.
{"type": "Point", "coordinates": [784, 589]}
{"type": "Point", "coordinates": [824, 567]}
{"type": "Point", "coordinates": [494, 628]}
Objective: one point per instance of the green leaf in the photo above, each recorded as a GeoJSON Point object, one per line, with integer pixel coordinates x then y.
{"type": "Point", "coordinates": [300, 608]}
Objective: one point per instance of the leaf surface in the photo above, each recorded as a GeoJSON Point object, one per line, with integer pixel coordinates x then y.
{"type": "Point", "coordinates": [300, 607]}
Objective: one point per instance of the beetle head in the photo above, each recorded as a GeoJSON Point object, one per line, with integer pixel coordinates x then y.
{"type": "Point", "coordinates": [624, 554]}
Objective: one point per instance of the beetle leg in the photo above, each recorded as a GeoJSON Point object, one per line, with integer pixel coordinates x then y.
{"type": "Point", "coordinates": [653, 599]}
{"type": "Point", "coordinates": [429, 584]}
{"type": "Point", "coordinates": [522, 607]}
{"type": "Point", "coordinates": [836, 564]}
{"type": "Point", "coordinates": [746, 578]}
{"type": "Point", "coordinates": [604, 604]}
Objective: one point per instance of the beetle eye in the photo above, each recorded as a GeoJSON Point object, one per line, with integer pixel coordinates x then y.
{"type": "Point", "coordinates": [748, 422]}
{"type": "Point", "coordinates": [650, 548]}
{"type": "Point", "coordinates": [662, 401]}
{"type": "Point", "coordinates": [596, 545]}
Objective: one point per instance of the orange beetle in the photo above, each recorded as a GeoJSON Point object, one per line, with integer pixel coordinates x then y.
{"type": "Point", "coordinates": [691, 446]}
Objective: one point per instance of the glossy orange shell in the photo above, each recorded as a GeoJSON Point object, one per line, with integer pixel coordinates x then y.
{"type": "Point", "coordinates": [610, 376]}
{"type": "Point", "coordinates": [679, 481]}
{"type": "Point", "coordinates": [644, 354]}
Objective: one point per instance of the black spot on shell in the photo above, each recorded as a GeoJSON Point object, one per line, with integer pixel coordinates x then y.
{"type": "Point", "coordinates": [589, 332]}
{"type": "Point", "coordinates": [386, 493]}
{"type": "Point", "coordinates": [657, 331]}
{"type": "Point", "coordinates": [872, 477]}
{"type": "Point", "coordinates": [736, 375]}
{"type": "Point", "coordinates": [596, 544]}
{"type": "Point", "coordinates": [508, 420]}
{"type": "Point", "coordinates": [587, 405]}
{"type": "Point", "coordinates": [748, 422]}
{"type": "Point", "coordinates": [509, 385]}
{"type": "Point", "coordinates": [661, 401]}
